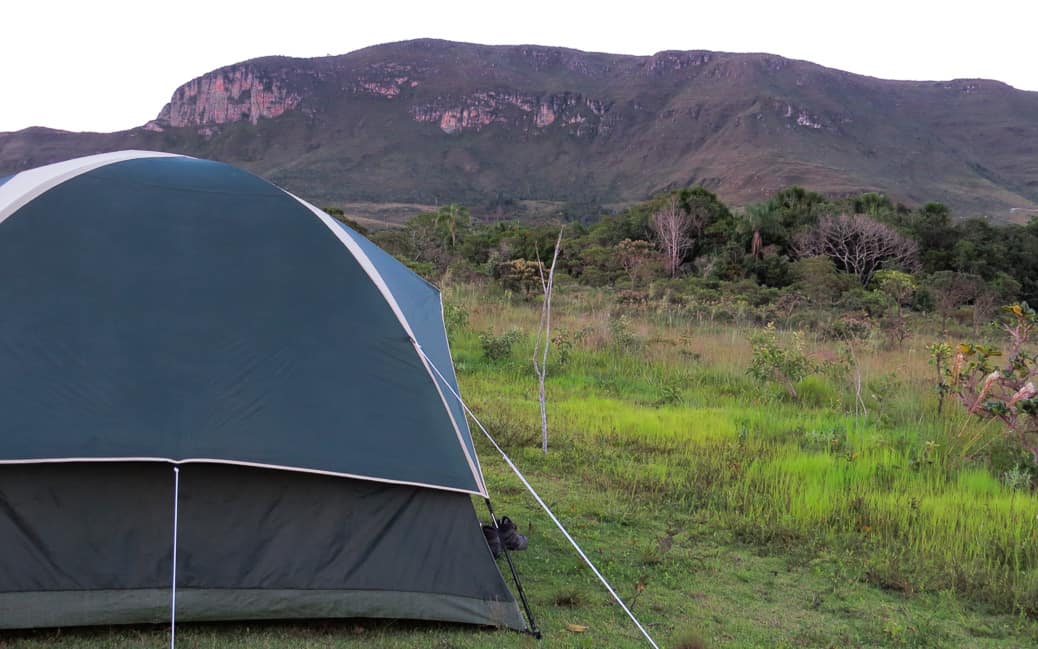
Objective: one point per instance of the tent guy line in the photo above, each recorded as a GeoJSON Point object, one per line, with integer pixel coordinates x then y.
{"type": "Point", "coordinates": [540, 501]}
{"type": "Point", "coordinates": [173, 570]}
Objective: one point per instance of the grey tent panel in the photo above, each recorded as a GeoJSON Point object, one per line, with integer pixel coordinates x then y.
{"type": "Point", "coordinates": [92, 544]}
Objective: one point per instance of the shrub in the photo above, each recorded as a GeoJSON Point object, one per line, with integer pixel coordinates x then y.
{"type": "Point", "coordinates": [620, 331]}
{"type": "Point", "coordinates": [872, 303]}
{"type": "Point", "coordinates": [497, 348]}
{"type": "Point", "coordinates": [773, 361]}
{"type": "Point", "coordinates": [846, 327]}
{"type": "Point", "coordinates": [1000, 385]}
{"type": "Point", "coordinates": [455, 317]}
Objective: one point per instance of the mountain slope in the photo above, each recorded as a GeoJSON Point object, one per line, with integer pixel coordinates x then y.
{"type": "Point", "coordinates": [427, 121]}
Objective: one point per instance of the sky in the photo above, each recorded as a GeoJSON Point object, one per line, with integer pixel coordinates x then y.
{"type": "Point", "coordinates": [104, 65]}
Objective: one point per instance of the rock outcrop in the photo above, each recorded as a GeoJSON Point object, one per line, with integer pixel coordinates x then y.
{"type": "Point", "coordinates": [235, 94]}
{"type": "Point", "coordinates": [481, 109]}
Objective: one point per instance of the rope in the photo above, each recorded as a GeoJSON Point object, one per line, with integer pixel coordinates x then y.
{"type": "Point", "coordinates": [539, 500]}
{"type": "Point", "coordinates": [173, 602]}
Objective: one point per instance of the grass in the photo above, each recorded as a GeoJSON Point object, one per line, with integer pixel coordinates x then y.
{"type": "Point", "coordinates": [726, 514]}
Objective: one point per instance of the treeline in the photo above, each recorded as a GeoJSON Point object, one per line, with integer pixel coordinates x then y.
{"type": "Point", "coordinates": [862, 253]}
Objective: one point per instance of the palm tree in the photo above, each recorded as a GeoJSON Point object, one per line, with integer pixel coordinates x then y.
{"type": "Point", "coordinates": [450, 218]}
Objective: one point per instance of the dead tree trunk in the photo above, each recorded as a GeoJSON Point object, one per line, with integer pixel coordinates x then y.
{"type": "Point", "coordinates": [543, 339]}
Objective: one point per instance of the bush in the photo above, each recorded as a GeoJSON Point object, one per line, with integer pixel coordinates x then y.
{"type": "Point", "coordinates": [455, 317]}
{"type": "Point", "coordinates": [846, 327]}
{"type": "Point", "coordinates": [872, 303]}
{"type": "Point", "coordinates": [621, 333]}
{"type": "Point", "coordinates": [773, 361]}
{"type": "Point", "coordinates": [497, 348]}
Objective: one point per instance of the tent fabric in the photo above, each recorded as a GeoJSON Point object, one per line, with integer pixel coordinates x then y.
{"type": "Point", "coordinates": [160, 310]}
{"type": "Point", "coordinates": [99, 362]}
{"type": "Point", "coordinates": [423, 306]}
{"type": "Point", "coordinates": [92, 544]}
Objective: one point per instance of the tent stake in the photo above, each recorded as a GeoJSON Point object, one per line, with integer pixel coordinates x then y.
{"type": "Point", "coordinates": [534, 631]}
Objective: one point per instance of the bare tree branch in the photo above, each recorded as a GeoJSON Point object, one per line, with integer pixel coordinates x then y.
{"type": "Point", "coordinates": [858, 244]}
{"type": "Point", "coordinates": [544, 336]}
{"type": "Point", "coordinates": [671, 226]}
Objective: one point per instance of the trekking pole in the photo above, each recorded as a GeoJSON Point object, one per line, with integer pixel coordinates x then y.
{"type": "Point", "coordinates": [534, 631]}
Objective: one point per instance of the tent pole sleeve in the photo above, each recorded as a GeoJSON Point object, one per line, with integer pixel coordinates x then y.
{"type": "Point", "coordinates": [534, 631]}
{"type": "Point", "coordinates": [173, 585]}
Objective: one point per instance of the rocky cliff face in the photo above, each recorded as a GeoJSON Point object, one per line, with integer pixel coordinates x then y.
{"type": "Point", "coordinates": [424, 121]}
{"type": "Point", "coordinates": [580, 115]}
{"type": "Point", "coordinates": [228, 95]}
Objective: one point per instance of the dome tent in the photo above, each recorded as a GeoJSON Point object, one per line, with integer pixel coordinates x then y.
{"type": "Point", "coordinates": [160, 309]}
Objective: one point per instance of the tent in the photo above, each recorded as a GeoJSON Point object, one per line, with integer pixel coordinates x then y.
{"type": "Point", "coordinates": [161, 311]}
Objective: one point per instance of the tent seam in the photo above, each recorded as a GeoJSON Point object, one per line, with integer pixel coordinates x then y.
{"type": "Point", "coordinates": [258, 465]}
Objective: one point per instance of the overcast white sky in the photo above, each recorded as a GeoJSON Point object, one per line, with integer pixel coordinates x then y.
{"type": "Point", "coordinates": [104, 65]}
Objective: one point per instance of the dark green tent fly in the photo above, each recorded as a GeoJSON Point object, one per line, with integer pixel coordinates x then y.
{"type": "Point", "coordinates": [159, 310]}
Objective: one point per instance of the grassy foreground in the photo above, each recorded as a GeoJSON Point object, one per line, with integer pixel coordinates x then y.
{"type": "Point", "coordinates": [724, 513]}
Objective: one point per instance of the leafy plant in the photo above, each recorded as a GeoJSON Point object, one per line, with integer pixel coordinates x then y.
{"type": "Point", "coordinates": [1018, 478]}
{"type": "Point", "coordinates": [497, 348]}
{"type": "Point", "coordinates": [455, 317]}
{"type": "Point", "coordinates": [785, 364]}
{"type": "Point", "coordinates": [940, 353]}
{"type": "Point", "coordinates": [1007, 391]}
{"type": "Point", "coordinates": [520, 275]}
{"type": "Point", "coordinates": [563, 342]}
{"type": "Point", "coordinates": [621, 333]}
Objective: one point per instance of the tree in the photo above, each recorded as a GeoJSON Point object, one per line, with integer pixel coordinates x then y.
{"type": "Point", "coordinates": [787, 213]}
{"type": "Point", "coordinates": [712, 223]}
{"type": "Point", "coordinates": [932, 226]}
{"type": "Point", "coordinates": [1000, 290]}
{"type": "Point", "coordinates": [671, 225]}
{"type": "Point", "coordinates": [638, 259]}
{"type": "Point", "coordinates": [873, 204]}
{"type": "Point", "coordinates": [819, 281]}
{"type": "Point", "coordinates": [449, 220]}
{"type": "Point", "coordinates": [858, 244]}
{"type": "Point", "coordinates": [950, 290]}
{"type": "Point", "coordinates": [898, 286]}
{"type": "Point", "coordinates": [544, 337]}
{"type": "Point", "coordinates": [519, 275]}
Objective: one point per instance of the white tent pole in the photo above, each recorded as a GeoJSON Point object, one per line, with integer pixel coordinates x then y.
{"type": "Point", "coordinates": [543, 505]}
{"type": "Point", "coordinates": [173, 599]}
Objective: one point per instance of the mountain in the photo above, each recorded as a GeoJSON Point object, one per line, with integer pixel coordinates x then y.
{"type": "Point", "coordinates": [430, 121]}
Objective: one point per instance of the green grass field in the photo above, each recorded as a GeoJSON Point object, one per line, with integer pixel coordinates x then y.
{"type": "Point", "coordinates": [726, 514]}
